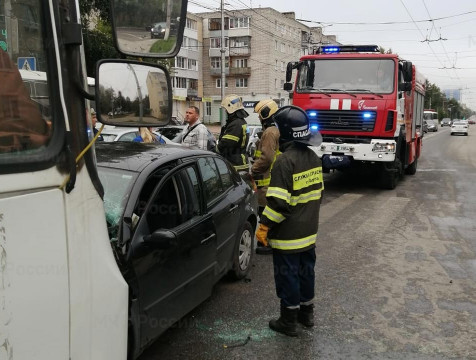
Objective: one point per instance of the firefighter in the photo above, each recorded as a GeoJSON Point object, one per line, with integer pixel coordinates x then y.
{"type": "Point", "coordinates": [233, 136]}
{"type": "Point", "coordinates": [290, 219]}
{"type": "Point", "coordinates": [266, 151]}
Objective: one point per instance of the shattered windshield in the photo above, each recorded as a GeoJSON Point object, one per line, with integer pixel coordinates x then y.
{"type": "Point", "coordinates": [117, 184]}
{"type": "Point", "coordinates": [347, 75]}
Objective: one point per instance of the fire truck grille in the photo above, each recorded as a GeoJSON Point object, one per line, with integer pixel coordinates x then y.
{"type": "Point", "coordinates": [344, 120]}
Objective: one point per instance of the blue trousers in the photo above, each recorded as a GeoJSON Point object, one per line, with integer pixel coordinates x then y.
{"type": "Point", "coordinates": [294, 277]}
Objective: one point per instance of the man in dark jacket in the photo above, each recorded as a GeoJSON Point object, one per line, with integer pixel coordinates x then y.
{"type": "Point", "coordinates": [233, 137]}
{"type": "Point", "coordinates": [290, 219]}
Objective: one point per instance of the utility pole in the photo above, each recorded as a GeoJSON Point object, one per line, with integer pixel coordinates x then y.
{"type": "Point", "coordinates": [139, 93]}
{"type": "Point", "coordinates": [222, 50]}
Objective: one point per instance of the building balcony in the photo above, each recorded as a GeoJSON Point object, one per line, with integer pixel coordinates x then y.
{"type": "Point", "coordinates": [239, 32]}
{"type": "Point", "coordinates": [217, 72]}
{"type": "Point", "coordinates": [240, 71]}
{"type": "Point", "coordinates": [213, 52]}
{"type": "Point", "coordinates": [240, 51]}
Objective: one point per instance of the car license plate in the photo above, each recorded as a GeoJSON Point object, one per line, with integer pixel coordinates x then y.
{"type": "Point", "coordinates": [339, 148]}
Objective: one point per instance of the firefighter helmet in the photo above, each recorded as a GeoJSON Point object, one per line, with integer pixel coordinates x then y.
{"type": "Point", "coordinates": [293, 125]}
{"type": "Point", "coordinates": [232, 103]}
{"type": "Point", "coordinates": [266, 108]}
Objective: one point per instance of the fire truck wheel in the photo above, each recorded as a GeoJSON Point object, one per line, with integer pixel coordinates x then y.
{"type": "Point", "coordinates": [389, 179]}
{"type": "Point", "coordinates": [411, 169]}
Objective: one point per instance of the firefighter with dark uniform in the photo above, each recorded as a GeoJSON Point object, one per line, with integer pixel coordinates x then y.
{"type": "Point", "coordinates": [267, 149]}
{"type": "Point", "coordinates": [290, 219]}
{"type": "Point", "coordinates": [233, 136]}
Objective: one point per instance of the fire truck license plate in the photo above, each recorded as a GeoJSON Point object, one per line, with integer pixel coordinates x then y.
{"type": "Point", "coordinates": [339, 148]}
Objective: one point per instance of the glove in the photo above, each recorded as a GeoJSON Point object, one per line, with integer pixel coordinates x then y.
{"type": "Point", "coordinates": [262, 234]}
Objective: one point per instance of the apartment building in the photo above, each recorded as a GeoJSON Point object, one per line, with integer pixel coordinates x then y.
{"type": "Point", "coordinates": [186, 72]}
{"type": "Point", "coordinates": [258, 45]}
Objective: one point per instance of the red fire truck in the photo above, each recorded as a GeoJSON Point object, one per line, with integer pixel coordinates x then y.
{"type": "Point", "coordinates": [368, 107]}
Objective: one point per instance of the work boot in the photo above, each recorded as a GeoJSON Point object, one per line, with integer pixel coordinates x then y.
{"type": "Point", "coordinates": [264, 250]}
{"type": "Point", "coordinates": [287, 322]}
{"type": "Point", "coordinates": [306, 315]}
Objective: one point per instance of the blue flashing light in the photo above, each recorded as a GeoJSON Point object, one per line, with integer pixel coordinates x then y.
{"type": "Point", "coordinates": [331, 49]}
{"type": "Point", "coordinates": [314, 127]}
{"type": "Point", "coordinates": [367, 115]}
{"type": "Point", "coordinates": [312, 114]}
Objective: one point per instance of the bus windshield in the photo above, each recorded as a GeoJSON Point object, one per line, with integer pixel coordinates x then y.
{"type": "Point", "coordinates": [430, 115]}
{"type": "Point", "coordinates": [347, 75]}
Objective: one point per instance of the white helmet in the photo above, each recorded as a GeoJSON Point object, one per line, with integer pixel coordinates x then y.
{"type": "Point", "coordinates": [232, 103]}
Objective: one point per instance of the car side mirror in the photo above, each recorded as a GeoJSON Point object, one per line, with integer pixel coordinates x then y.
{"type": "Point", "coordinates": [161, 239]}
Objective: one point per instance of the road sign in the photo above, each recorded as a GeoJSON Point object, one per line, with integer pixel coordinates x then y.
{"type": "Point", "coordinates": [27, 63]}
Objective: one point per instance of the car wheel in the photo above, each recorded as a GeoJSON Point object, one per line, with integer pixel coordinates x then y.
{"type": "Point", "coordinates": [243, 252]}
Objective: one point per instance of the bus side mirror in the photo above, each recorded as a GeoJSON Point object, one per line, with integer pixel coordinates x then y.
{"type": "Point", "coordinates": [406, 86]}
{"type": "Point", "coordinates": [288, 86]}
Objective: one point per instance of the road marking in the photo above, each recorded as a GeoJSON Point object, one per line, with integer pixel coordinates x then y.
{"type": "Point", "coordinates": [442, 170]}
{"type": "Point", "coordinates": [331, 209]}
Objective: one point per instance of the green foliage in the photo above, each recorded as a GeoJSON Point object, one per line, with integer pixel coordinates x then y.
{"type": "Point", "coordinates": [98, 44]}
{"type": "Point", "coordinates": [163, 46]}
{"type": "Point", "coordinates": [446, 108]}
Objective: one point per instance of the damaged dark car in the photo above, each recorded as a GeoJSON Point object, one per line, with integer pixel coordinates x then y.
{"type": "Point", "coordinates": [178, 220]}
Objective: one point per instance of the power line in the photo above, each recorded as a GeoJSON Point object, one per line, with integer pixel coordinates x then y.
{"type": "Point", "coordinates": [389, 22]}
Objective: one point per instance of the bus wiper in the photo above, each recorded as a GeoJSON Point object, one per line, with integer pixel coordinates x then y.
{"type": "Point", "coordinates": [340, 90]}
{"type": "Point", "coordinates": [367, 91]}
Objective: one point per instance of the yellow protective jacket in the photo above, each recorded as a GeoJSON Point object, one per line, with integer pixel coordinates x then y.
{"type": "Point", "coordinates": [294, 199]}
{"type": "Point", "coordinates": [232, 143]}
{"type": "Point", "coordinates": [265, 156]}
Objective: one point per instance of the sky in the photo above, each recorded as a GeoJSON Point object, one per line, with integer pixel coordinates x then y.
{"type": "Point", "coordinates": [444, 50]}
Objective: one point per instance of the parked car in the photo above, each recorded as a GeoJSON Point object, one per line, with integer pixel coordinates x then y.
{"type": "Point", "coordinates": [459, 127]}
{"type": "Point", "coordinates": [446, 122]}
{"type": "Point", "coordinates": [471, 122]}
{"type": "Point", "coordinates": [157, 30]}
{"type": "Point", "coordinates": [432, 125]}
{"type": "Point", "coordinates": [115, 133]}
{"type": "Point", "coordinates": [179, 220]}
{"type": "Point", "coordinates": [425, 126]}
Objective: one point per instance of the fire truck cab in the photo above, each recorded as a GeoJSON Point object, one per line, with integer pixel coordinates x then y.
{"type": "Point", "coordinates": [368, 107]}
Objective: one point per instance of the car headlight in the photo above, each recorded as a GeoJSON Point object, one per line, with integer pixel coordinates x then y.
{"type": "Point", "coordinates": [384, 147]}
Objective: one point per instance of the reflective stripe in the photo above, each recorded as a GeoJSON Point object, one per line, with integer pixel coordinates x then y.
{"type": "Point", "coordinates": [305, 198]}
{"type": "Point", "coordinates": [264, 182]}
{"type": "Point", "coordinates": [243, 157]}
{"type": "Point", "coordinates": [279, 193]}
{"type": "Point", "coordinates": [243, 143]}
{"type": "Point", "coordinates": [257, 153]}
{"type": "Point", "coordinates": [231, 137]}
{"type": "Point", "coordinates": [307, 178]}
{"type": "Point", "coordinates": [241, 167]}
{"type": "Point", "coordinates": [293, 244]}
{"type": "Point", "coordinates": [273, 215]}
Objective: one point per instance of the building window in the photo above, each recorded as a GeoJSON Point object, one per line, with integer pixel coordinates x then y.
{"type": "Point", "coordinates": [179, 83]}
{"type": "Point", "coordinates": [191, 24]}
{"type": "Point", "coordinates": [193, 84]}
{"type": "Point", "coordinates": [276, 65]}
{"type": "Point", "coordinates": [208, 108]}
{"type": "Point", "coordinates": [283, 66]}
{"type": "Point", "coordinates": [216, 61]}
{"type": "Point", "coordinates": [275, 83]}
{"type": "Point", "coordinates": [241, 63]}
{"type": "Point", "coordinates": [282, 84]}
{"type": "Point", "coordinates": [276, 45]}
{"type": "Point", "coordinates": [218, 83]}
{"type": "Point", "coordinates": [215, 24]}
{"type": "Point", "coordinates": [241, 83]}
{"type": "Point", "coordinates": [283, 47]}
{"type": "Point", "coordinates": [241, 22]}
{"type": "Point", "coordinates": [180, 62]}
{"type": "Point", "coordinates": [240, 42]}
{"type": "Point", "coordinates": [192, 64]}
{"type": "Point", "coordinates": [192, 44]}
{"type": "Point", "coordinates": [215, 43]}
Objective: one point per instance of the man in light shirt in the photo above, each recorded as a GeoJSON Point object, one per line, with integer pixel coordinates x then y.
{"type": "Point", "coordinates": [195, 134]}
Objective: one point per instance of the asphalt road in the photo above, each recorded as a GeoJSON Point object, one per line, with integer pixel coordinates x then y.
{"type": "Point", "coordinates": [396, 274]}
